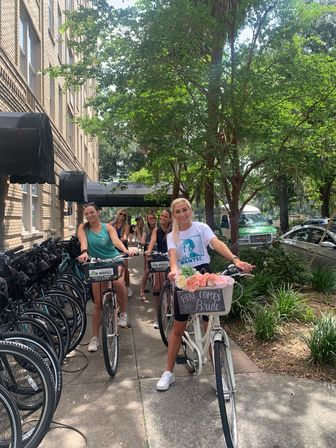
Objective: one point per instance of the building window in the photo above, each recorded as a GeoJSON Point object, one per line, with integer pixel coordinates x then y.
{"type": "Point", "coordinates": [52, 97]}
{"type": "Point", "coordinates": [70, 128]}
{"type": "Point", "coordinates": [51, 17]}
{"type": "Point", "coordinates": [59, 36]}
{"type": "Point", "coordinates": [60, 109]}
{"type": "Point", "coordinates": [30, 50]}
{"type": "Point", "coordinates": [31, 196]}
{"type": "Point", "coordinates": [69, 5]}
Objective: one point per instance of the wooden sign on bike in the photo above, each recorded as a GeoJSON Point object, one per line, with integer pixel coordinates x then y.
{"type": "Point", "coordinates": [100, 272]}
{"type": "Point", "coordinates": [208, 300]}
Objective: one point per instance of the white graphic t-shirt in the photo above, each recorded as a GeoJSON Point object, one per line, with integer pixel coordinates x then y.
{"type": "Point", "coordinates": [192, 245]}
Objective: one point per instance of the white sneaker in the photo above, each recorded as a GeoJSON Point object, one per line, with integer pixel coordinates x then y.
{"type": "Point", "coordinates": [225, 388]}
{"type": "Point", "coordinates": [122, 321]}
{"type": "Point", "coordinates": [93, 345]}
{"type": "Point", "coordinates": [165, 381]}
{"type": "Point", "coordinates": [156, 325]}
{"type": "Point", "coordinates": [129, 291]}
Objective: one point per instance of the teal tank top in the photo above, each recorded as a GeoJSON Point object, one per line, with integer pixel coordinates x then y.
{"type": "Point", "coordinates": [100, 244]}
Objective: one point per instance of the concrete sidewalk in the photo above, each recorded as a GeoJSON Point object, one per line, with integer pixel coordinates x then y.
{"type": "Point", "coordinates": [127, 411]}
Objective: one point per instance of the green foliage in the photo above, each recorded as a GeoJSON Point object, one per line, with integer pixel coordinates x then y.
{"type": "Point", "coordinates": [274, 262]}
{"type": "Point", "coordinates": [322, 340]}
{"type": "Point", "coordinates": [248, 296]}
{"type": "Point", "coordinates": [309, 315]}
{"type": "Point", "coordinates": [288, 303]}
{"type": "Point", "coordinates": [264, 323]}
{"type": "Point", "coordinates": [324, 279]}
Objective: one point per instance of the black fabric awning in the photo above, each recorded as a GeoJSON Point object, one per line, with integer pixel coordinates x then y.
{"type": "Point", "coordinates": [26, 148]}
{"type": "Point", "coordinates": [133, 195]}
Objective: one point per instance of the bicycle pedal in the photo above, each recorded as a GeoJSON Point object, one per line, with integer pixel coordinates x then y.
{"type": "Point", "coordinates": [181, 359]}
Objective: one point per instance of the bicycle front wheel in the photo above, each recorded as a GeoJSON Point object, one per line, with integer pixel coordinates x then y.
{"type": "Point", "coordinates": [10, 423]}
{"type": "Point", "coordinates": [166, 312]}
{"type": "Point", "coordinates": [110, 337]}
{"type": "Point", "coordinates": [225, 394]}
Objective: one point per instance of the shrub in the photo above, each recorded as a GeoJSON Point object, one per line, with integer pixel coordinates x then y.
{"type": "Point", "coordinates": [322, 340]}
{"type": "Point", "coordinates": [288, 303]}
{"type": "Point", "coordinates": [264, 323]}
{"type": "Point", "coordinates": [248, 294]}
{"type": "Point", "coordinates": [273, 261]}
{"type": "Point", "coordinates": [324, 279]}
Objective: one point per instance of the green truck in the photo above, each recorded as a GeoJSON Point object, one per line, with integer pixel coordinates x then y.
{"type": "Point", "coordinates": [254, 227]}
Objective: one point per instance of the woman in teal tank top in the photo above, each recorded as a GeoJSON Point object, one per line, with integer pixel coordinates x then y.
{"type": "Point", "coordinates": [101, 240]}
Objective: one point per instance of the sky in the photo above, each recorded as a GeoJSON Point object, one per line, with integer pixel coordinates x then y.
{"type": "Point", "coordinates": [121, 3]}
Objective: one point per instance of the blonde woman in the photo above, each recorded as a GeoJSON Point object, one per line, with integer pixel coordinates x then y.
{"type": "Point", "coordinates": [187, 246]}
{"type": "Point", "coordinates": [145, 239]}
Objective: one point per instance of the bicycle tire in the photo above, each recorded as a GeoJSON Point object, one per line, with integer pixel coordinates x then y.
{"type": "Point", "coordinates": [227, 403]}
{"type": "Point", "coordinates": [10, 424]}
{"type": "Point", "coordinates": [53, 330]}
{"type": "Point", "coordinates": [35, 423]}
{"type": "Point", "coordinates": [68, 287]}
{"type": "Point", "coordinates": [30, 326]}
{"type": "Point", "coordinates": [56, 313]}
{"type": "Point", "coordinates": [47, 354]}
{"type": "Point", "coordinates": [76, 315]}
{"type": "Point", "coordinates": [75, 281]}
{"type": "Point", "coordinates": [110, 336]}
{"type": "Point", "coordinates": [165, 315]}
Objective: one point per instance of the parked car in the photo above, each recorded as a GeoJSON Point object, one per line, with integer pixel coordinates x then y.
{"type": "Point", "coordinates": [306, 241]}
{"type": "Point", "coordinates": [316, 221]}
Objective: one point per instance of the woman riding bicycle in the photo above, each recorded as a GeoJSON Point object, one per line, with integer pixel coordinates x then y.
{"type": "Point", "coordinates": [122, 227]}
{"type": "Point", "coordinates": [145, 239]}
{"type": "Point", "coordinates": [101, 240]}
{"type": "Point", "coordinates": [187, 245]}
{"type": "Point", "coordinates": [159, 238]}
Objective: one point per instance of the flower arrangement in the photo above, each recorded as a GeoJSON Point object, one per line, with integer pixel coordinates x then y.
{"type": "Point", "coordinates": [190, 280]}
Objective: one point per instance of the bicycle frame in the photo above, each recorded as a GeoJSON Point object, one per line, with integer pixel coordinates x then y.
{"type": "Point", "coordinates": [201, 343]}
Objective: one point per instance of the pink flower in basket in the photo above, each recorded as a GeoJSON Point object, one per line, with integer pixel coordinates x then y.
{"type": "Point", "coordinates": [192, 283]}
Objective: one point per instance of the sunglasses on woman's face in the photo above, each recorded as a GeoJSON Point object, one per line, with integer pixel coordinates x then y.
{"type": "Point", "coordinates": [122, 214]}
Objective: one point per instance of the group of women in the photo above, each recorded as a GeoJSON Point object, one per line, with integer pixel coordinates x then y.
{"type": "Point", "coordinates": [186, 242]}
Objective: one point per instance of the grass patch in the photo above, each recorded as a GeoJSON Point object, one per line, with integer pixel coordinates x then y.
{"type": "Point", "coordinates": [324, 279]}
{"type": "Point", "coordinates": [322, 340]}
{"type": "Point", "coordinates": [265, 323]}
{"type": "Point", "coordinates": [288, 303]}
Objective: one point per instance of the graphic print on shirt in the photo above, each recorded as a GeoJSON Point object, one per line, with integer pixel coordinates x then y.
{"type": "Point", "coordinates": [192, 250]}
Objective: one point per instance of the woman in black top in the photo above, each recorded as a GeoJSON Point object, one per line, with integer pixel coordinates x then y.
{"type": "Point", "coordinates": [159, 238]}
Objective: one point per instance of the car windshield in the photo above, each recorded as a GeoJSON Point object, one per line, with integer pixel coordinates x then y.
{"type": "Point", "coordinates": [251, 220]}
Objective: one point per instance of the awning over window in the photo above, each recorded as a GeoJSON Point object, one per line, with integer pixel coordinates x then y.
{"type": "Point", "coordinates": [133, 195]}
{"type": "Point", "coordinates": [73, 186]}
{"type": "Point", "coordinates": [26, 148]}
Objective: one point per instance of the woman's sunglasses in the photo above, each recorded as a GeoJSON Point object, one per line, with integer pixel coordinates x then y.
{"type": "Point", "coordinates": [122, 214]}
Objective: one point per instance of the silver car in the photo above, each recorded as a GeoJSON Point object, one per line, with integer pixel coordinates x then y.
{"type": "Point", "coordinates": [307, 242]}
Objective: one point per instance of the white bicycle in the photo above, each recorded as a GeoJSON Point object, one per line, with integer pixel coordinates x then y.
{"type": "Point", "coordinates": [199, 345]}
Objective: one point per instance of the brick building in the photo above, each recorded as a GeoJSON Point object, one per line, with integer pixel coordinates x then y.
{"type": "Point", "coordinates": [29, 43]}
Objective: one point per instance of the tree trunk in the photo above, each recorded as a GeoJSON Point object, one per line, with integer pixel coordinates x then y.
{"type": "Point", "coordinates": [325, 192]}
{"type": "Point", "coordinates": [3, 198]}
{"type": "Point", "coordinates": [283, 202]}
{"type": "Point", "coordinates": [213, 103]}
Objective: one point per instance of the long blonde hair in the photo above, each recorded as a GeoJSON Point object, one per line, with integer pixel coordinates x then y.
{"type": "Point", "coordinates": [175, 226]}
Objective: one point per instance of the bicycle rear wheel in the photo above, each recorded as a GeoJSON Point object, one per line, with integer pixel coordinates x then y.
{"type": "Point", "coordinates": [166, 312]}
{"type": "Point", "coordinates": [10, 424]}
{"type": "Point", "coordinates": [225, 394]}
{"type": "Point", "coordinates": [110, 336]}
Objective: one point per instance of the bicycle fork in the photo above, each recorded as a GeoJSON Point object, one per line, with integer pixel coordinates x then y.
{"type": "Point", "coordinates": [221, 336]}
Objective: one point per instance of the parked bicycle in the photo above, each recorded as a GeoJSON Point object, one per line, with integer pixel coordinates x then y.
{"type": "Point", "coordinates": [199, 345]}
{"type": "Point", "coordinates": [101, 271]}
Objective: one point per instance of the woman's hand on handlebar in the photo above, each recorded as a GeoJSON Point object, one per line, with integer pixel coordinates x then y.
{"type": "Point", "coordinates": [131, 253]}
{"type": "Point", "coordinates": [243, 265]}
{"type": "Point", "coordinates": [83, 257]}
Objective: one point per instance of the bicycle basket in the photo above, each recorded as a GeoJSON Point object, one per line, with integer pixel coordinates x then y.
{"type": "Point", "coordinates": [101, 272]}
{"type": "Point", "coordinates": [208, 300]}
{"type": "Point", "coordinates": [158, 263]}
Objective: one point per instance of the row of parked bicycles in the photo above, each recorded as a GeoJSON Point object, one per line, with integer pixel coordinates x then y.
{"type": "Point", "coordinates": [43, 298]}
